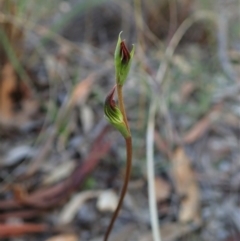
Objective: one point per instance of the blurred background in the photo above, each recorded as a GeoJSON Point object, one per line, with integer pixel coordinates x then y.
{"type": "Point", "coordinates": [61, 164]}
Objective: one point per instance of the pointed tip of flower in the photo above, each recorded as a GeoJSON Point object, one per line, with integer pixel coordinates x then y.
{"type": "Point", "coordinates": [132, 51]}
{"type": "Point", "coordinates": [124, 52]}
{"type": "Point", "coordinates": [119, 38]}
{"type": "Point", "coordinates": [109, 99]}
{"type": "Point", "coordinates": [122, 58]}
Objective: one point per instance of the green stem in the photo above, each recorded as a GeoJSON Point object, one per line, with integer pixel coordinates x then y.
{"type": "Point", "coordinates": [121, 105]}
{"type": "Point", "coordinates": [125, 185]}
{"type": "Point", "coordinates": [128, 142]}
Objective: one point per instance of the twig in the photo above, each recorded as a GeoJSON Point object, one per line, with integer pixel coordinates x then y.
{"type": "Point", "coordinates": [11, 230]}
{"type": "Point", "coordinates": [202, 15]}
{"type": "Point", "coordinates": [150, 171]}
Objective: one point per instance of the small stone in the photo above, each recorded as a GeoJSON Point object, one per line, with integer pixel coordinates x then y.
{"type": "Point", "coordinates": [107, 201]}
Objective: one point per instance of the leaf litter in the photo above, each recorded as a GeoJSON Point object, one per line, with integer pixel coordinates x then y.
{"type": "Point", "coordinates": [58, 158]}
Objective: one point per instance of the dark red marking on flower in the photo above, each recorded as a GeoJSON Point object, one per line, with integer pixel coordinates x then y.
{"type": "Point", "coordinates": [109, 99]}
{"type": "Point", "coordinates": [125, 55]}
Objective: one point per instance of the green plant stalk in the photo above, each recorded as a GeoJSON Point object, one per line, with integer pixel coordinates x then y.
{"type": "Point", "coordinates": [128, 142]}
{"type": "Point", "coordinates": [121, 105]}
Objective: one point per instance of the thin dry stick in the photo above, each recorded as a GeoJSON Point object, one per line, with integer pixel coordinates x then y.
{"type": "Point", "coordinates": [150, 170]}
{"type": "Point", "coordinates": [223, 25]}
{"type": "Point", "coordinates": [153, 109]}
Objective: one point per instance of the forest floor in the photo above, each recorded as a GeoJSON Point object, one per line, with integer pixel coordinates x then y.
{"type": "Point", "coordinates": [62, 166]}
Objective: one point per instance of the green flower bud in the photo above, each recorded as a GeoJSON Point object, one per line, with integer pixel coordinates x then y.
{"type": "Point", "coordinates": [123, 59]}
{"type": "Point", "coordinates": [114, 115]}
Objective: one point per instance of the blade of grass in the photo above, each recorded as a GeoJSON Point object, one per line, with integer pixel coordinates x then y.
{"type": "Point", "coordinates": [12, 57]}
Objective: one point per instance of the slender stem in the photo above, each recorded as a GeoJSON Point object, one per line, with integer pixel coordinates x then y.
{"type": "Point", "coordinates": [125, 184]}
{"type": "Point", "coordinates": [121, 105]}
{"type": "Point", "coordinates": [128, 141]}
{"type": "Point", "coordinates": [150, 170]}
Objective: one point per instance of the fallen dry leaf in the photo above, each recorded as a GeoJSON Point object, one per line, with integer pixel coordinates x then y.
{"type": "Point", "coordinates": [200, 128]}
{"type": "Point", "coordinates": [17, 154]}
{"type": "Point", "coordinates": [50, 197]}
{"type": "Point", "coordinates": [81, 91]}
{"type": "Point", "coordinates": [17, 107]}
{"type": "Point", "coordinates": [87, 118]}
{"type": "Point", "coordinates": [75, 203]}
{"type": "Point", "coordinates": [64, 237]}
{"type": "Point", "coordinates": [172, 231]}
{"type": "Point", "coordinates": [8, 83]}
{"type": "Point", "coordinates": [162, 189]}
{"type": "Point", "coordinates": [189, 209]}
{"type": "Point", "coordinates": [186, 187]}
{"type": "Point", "coordinates": [63, 171]}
